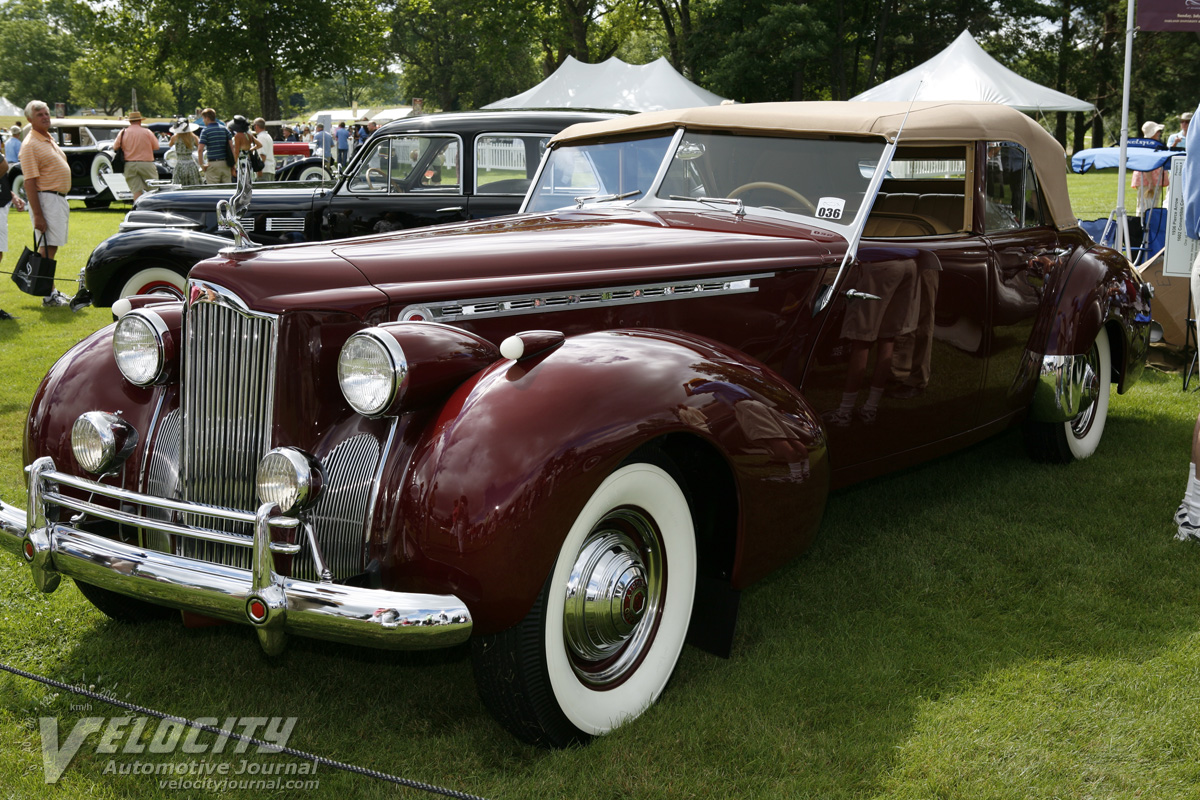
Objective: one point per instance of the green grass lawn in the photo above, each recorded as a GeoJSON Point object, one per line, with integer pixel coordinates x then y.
{"type": "Point", "coordinates": [979, 627]}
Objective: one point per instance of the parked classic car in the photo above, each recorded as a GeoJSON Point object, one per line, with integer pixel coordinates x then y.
{"type": "Point", "coordinates": [416, 171]}
{"type": "Point", "coordinates": [87, 144]}
{"type": "Point", "coordinates": [573, 435]}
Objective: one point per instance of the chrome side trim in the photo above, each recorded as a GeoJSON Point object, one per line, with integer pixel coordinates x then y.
{"type": "Point", "coordinates": [479, 308]}
{"type": "Point", "coordinates": [281, 224]}
{"type": "Point", "coordinates": [1065, 385]}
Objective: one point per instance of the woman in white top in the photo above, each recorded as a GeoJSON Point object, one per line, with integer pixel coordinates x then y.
{"type": "Point", "coordinates": [266, 149]}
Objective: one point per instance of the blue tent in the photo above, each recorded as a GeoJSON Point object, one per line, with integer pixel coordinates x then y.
{"type": "Point", "coordinates": [1138, 159]}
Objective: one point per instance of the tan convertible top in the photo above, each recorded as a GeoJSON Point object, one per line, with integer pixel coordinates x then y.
{"type": "Point", "coordinates": [928, 122]}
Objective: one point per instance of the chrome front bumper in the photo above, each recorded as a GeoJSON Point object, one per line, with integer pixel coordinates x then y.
{"type": "Point", "coordinates": [274, 605]}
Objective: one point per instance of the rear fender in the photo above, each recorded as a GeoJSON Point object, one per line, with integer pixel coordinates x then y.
{"type": "Point", "coordinates": [501, 471]}
{"type": "Point", "coordinates": [1097, 287]}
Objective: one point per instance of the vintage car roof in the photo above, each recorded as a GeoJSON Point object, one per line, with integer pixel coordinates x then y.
{"type": "Point", "coordinates": [928, 121]}
{"type": "Point", "coordinates": [471, 122]}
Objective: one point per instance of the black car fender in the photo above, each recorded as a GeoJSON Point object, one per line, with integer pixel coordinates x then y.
{"type": "Point", "coordinates": [112, 261]}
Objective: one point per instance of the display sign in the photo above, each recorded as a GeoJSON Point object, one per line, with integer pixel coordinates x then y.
{"type": "Point", "coordinates": [1168, 15]}
{"type": "Point", "coordinates": [1181, 251]}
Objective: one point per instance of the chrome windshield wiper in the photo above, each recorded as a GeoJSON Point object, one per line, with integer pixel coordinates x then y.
{"type": "Point", "coordinates": [740, 211]}
{"type": "Point", "coordinates": [604, 198]}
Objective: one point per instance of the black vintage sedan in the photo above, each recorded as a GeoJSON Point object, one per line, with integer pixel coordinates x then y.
{"type": "Point", "coordinates": [411, 173]}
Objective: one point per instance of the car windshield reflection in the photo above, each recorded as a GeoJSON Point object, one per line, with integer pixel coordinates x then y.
{"type": "Point", "coordinates": [816, 179]}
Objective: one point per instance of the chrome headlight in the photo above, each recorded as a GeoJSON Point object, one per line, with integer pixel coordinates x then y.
{"type": "Point", "coordinates": [372, 372]}
{"type": "Point", "coordinates": [102, 441]}
{"type": "Point", "coordinates": [289, 478]}
{"type": "Point", "coordinates": [139, 346]}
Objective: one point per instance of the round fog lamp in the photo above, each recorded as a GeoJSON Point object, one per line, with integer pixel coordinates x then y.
{"type": "Point", "coordinates": [138, 347]}
{"type": "Point", "coordinates": [288, 478]}
{"type": "Point", "coordinates": [371, 371]}
{"type": "Point", "coordinates": [101, 441]}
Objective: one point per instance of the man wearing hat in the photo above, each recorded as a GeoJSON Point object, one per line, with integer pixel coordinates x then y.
{"type": "Point", "coordinates": [138, 144]}
{"type": "Point", "coordinates": [1178, 140]}
{"type": "Point", "coordinates": [1149, 185]}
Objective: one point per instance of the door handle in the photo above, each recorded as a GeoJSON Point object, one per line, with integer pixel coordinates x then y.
{"type": "Point", "coordinates": [855, 294]}
{"type": "Point", "coordinates": [447, 210]}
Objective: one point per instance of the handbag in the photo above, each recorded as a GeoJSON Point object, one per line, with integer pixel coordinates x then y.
{"type": "Point", "coordinates": [118, 159]}
{"type": "Point", "coordinates": [256, 162]}
{"type": "Point", "coordinates": [34, 273]}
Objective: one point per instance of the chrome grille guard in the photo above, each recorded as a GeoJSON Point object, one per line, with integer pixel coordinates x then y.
{"type": "Point", "coordinates": [273, 604]}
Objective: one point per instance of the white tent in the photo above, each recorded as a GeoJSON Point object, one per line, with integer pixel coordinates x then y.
{"type": "Point", "coordinates": [613, 85]}
{"type": "Point", "coordinates": [389, 114]}
{"type": "Point", "coordinates": [963, 71]}
{"type": "Point", "coordinates": [8, 109]}
{"type": "Point", "coordinates": [341, 114]}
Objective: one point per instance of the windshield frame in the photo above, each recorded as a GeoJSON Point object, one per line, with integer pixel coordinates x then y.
{"type": "Point", "coordinates": [650, 201]}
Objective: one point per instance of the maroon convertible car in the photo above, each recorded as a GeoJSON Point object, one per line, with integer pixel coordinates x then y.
{"type": "Point", "coordinates": [572, 435]}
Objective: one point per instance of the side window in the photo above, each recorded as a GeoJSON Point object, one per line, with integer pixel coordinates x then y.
{"type": "Point", "coordinates": [503, 163]}
{"type": "Point", "coordinates": [1013, 198]}
{"type": "Point", "coordinates": [439, 161]}
{"type": "Point", "coordinates": [375, 173]}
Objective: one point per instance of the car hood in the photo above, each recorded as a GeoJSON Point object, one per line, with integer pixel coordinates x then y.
{"type": "Point", "coordinates": [204, 198]}
{"type": "Point", "coordinates": [523, 253]}
{"type": "Point", "coordinates": [580, 249]}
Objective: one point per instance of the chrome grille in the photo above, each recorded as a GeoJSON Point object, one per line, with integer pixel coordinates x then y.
{"type": "Point", "coordinates": [227, 402]}
{"type": "Point", "coordinates": [162, 478]}
{"type": "Point", "coordinates": [339, 517]}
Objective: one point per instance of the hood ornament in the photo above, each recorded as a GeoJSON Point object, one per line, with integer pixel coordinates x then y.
{"type": "Point", "coordinates": [229, 212]}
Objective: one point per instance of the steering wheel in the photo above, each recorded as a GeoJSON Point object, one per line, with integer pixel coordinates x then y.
{"type": "Point", "coordinates": [778, 187]}
{"type": "Point", "coordinates": [377, 171]}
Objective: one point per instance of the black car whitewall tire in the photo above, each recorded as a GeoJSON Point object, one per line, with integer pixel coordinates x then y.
{"type": "Point", "coordinates": [314, 173]}
{"type": "Point", "coordinates": [145, 280]}
{"type": "Point", "coordinates": [1077, 438]}
{"type": "Point", "coordinates": [605, 635]}
{"type": "Point", "coordinates": [101, 166]}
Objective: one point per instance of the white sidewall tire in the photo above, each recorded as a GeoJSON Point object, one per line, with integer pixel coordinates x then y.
{"type": "Point", "coordinates": [313, 173]}
{"type": "Point", "coordinates": [18, 186]}
{"type": "Point", "coordinates": [101, 164]}
{"type": "Point", "coordinates": [650, 488]}
{"type": "Point", "coordinates": [1082, 447]}
{"type": "Point", "coordinates": [151, 276]}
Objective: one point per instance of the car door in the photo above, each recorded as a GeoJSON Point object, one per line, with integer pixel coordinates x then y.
{"type": "Point", "coordinates": [901, 357]}
{"type": "Point", "coordinates": [1023, 249]}
{"type": "Point", "coordinates": [503, 166]}
{"type": "Point", "coordinates": [400, 182]}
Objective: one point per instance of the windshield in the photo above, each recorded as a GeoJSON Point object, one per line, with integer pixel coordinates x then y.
{"type": "Point", "coordinates": [817, 178]}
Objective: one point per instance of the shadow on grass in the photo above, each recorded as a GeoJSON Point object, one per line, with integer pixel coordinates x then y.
{"type": "Point", "coordinates": [922, 587]}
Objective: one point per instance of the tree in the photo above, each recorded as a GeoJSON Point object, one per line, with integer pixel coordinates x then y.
{"type": "Point", "coordinates": [463, 54]}
{"type": "Point", "coordinates": [35, 62]}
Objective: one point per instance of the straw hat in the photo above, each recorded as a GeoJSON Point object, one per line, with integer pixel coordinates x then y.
{"type": "Point", "coordinates": [1150, 129]}
{"type": "Point", "coordinates": [182, 125]}
{"type": "Point", "coordinates": [133, 116]}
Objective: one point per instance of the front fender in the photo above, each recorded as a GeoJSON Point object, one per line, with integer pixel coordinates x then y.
{"type": "Point", "coordinates": [500, 473]}
{"type": "Point", "coordinates": [86, 378]}
{"type": "Point", "coordinates": [172, 248]}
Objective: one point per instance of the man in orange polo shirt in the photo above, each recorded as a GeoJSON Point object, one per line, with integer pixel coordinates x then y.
{"type": "Point", "coordinates": [47, 180]}
{"type": "Point", "coordinates": [138, 144]}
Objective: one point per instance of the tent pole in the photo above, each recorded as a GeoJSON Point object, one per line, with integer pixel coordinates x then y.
{"type": "Point", "coordinates": [1123, 228]}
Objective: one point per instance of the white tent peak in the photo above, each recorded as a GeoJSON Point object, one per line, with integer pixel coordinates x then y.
{"type": "Point", "coordinates": [963, 71]}
{"type": "Point", "coordinates": [9, 109]}
{"type": "Point", "coordinates": [613, 85]}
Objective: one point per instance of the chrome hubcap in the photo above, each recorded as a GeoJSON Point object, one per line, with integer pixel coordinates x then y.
{"type": "Point", "coordinates": [613, 597]}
